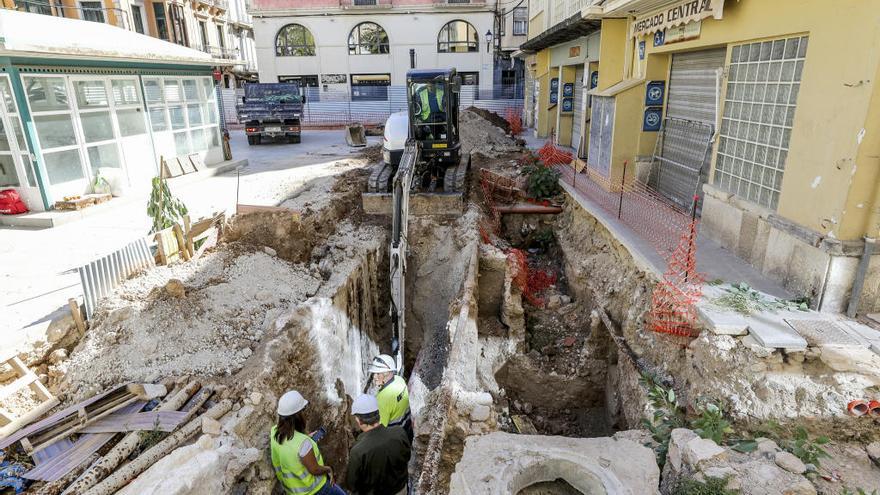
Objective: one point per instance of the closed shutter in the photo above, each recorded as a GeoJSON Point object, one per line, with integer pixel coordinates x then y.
{"type": "Point", "coordinates": [683, 164]}
{"type": "Point", "coordinates": [577, 127]}
{"type": "Point", "coordinates": [601, 129]}
{"type": "Point", "coordinates": [692, 85]}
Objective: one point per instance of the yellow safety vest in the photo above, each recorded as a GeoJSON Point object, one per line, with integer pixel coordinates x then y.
{"type": "Point", "coordinates": [393, 399]}
{"type": "Point", "coordinates": [291, 472]}
{"type": "Point", "coordinates": [425, 99]}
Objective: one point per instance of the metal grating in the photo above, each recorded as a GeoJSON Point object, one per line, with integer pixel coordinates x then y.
{"type": "Point", "coordinates": [822, 332]}
{"type": "Point", "coordinates": [101, 276]}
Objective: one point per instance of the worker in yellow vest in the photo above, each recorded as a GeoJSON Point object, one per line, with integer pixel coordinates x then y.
{"type": "Point", "coordinates": [431, 109]}
{"type": "Point", "coordinates": [296, 458]}
{"type": "Point", "coordinates": [393, 396]}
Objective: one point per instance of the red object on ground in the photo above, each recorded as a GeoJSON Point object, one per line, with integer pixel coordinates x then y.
{"type": "Point", "coordinates": [552, 155]}
{"type": "Point", "coordinates": [11, 203]}
{"type": "Point", "coordinates": [874, 408]}
{"type": "Point", "coordinates": [858, 407]}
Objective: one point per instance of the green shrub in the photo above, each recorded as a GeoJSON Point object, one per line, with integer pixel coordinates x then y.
{"type": "Point", "coordinates": [711, 424]}
{"type": "Point", "coordinates": [542, 182]}
{"type": "Point", "coordinates": [809, 450]}
{"type": "Point", "coordinates": [163, 208]}
{"type": "Point", "coordinates": [667, 415]}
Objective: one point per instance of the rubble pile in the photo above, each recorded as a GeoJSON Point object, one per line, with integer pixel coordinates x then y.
{"type": "Point", "coordinates": [479, 135]}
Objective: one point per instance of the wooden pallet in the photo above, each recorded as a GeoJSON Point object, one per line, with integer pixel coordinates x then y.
{"type": "Point", "coordinates": [26, 378]}
{"type": "Point", "coordinates": [74, 204]}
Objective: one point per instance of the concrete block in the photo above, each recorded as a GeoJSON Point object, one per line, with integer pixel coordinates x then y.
{"type": "Point", "coordinates": [721, 322]}
{"type": "Point", "coordinates": [506, 463]}
{"type": "Point", "coordinates": [701, 450]}
{"type": "Point", "coordinates": [480, 413]}
{"type": "Point", "coordinates": [775, 333]}
{"type": "Point", "coordinates": [721, 221]}
{"type": "Point", "coordinates": [677, 443]}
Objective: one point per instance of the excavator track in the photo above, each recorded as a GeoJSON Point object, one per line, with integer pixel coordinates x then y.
{"type": "Point", "coordinates": [456, 177]}
{"type": "Point", "coordinates": [380, 179]}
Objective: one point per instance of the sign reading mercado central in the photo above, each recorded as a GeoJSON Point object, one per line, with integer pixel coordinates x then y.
{"type": "Point", "coordinates": [676, 15]}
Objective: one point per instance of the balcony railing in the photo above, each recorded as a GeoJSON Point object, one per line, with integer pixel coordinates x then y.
{"type": "Point", "coordinates": [114, 16]}
{"type": "Point", "coordinates": [221, 52]}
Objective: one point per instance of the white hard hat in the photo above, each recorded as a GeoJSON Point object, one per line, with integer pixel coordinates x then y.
{"type": "Point", "coordinates": [382, 363]}
{"type": "Point", "coordinates": [365, 404]}
{"type": "Point", "coordinates": [291, 402]}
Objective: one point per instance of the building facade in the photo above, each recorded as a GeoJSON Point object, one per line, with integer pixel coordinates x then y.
{"type": "Point", "coordinates": [767, 111]}
{"type": "Point", "coordinates": [221, 28]}
{"type": "Point", "coordinates": [561, 53]}
{"type": "Point", "coordinates": [84, 99]}
{"type": "Point", "coordinates": [358, 48]}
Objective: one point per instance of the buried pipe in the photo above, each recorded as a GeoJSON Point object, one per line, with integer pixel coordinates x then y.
{"type": "Point", "coordinates": [859, 282]}
{"type": "Point", "coordinates": [529, 209]}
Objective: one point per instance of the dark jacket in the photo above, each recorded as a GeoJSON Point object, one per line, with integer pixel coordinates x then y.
{"type": "Point", "coordinates": [378, 462]}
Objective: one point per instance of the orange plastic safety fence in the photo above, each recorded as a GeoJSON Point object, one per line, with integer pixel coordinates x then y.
{"type": "Point", "coordinates": [551, 155]}
{"type": "Point", "coordinates": [673, 302]}
{"type": "Point", "coordinates": [514, 120]}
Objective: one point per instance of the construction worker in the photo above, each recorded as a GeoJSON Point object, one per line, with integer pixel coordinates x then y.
{"type": "Point", "coordinates": [393, 396]}
{"type": "Point", "coordinates": [296, 458]}
{"type": "Point", "coordinates": [378, 464]}
{"type": "Point", "coordinates": [431, 108]}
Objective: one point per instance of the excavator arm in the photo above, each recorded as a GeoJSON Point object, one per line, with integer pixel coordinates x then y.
{"type": "Point", "coordinates": [400, 190]}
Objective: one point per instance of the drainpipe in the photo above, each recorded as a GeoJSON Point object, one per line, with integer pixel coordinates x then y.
{"type": "Point", "coordinates": [859, 282]}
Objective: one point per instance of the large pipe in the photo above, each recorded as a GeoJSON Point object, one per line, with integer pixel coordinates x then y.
{"type": "Point", "coordinates": [859, 282]}
{"type": "Point", "coordinates": [529, 209]}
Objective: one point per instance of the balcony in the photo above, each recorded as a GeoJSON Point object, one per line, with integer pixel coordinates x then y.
{"type": "Point", "coordinates": [220, 52]}
{"type": "Point", "coordinates": [454, 3]}
{"type": "Point", "coordinates": [114, 16]}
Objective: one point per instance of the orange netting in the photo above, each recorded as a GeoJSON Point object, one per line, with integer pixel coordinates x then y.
{"type": "Point", "coordinates": [673, 302]}
{"type": "Point", "coordinates": [525, 278]}
{"type": "Point", "coordinates": [514, 120]}
{"type": "Point", "coordinates": [552, 155]}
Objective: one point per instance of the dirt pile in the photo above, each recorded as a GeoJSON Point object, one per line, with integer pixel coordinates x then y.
{"type": "Point", "coordinates": [144, 333]}
{"type": "Point", "coordinates": [479, 135]}
{"type": "Point", "coordinates": [492, 117]}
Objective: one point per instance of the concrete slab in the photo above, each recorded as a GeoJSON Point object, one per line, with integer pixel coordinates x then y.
{"type": "Point", "coordinates": [721, 322]}
{"type": "Point", "coordinates": [773, 332]}
{"type": "Point", "coordinates": [419, 204]}
{"type": "Point", "coordinates": [505, 463]}
{"type": "Point", "coordinates": [818, 332]}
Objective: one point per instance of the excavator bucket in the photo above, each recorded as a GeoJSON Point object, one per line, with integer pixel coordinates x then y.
{"type": "Point", "coordinates": [355, 135]}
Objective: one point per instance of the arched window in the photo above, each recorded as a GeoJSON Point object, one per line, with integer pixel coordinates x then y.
{"type": "Point", "coordinates": [368, 38]}
{"type": "Point", "coordinates": [294, 40]}
{"type": "Point", "coordinates": [457, 37]}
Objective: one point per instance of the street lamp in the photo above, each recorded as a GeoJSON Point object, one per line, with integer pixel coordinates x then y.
{"type": "Point", "coordinates": [488, 39]}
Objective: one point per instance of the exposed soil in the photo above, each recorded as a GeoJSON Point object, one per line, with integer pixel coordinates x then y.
{"type": "Point", "coordinates": [557, 487]}
{"type": "Point", "coordinates": [492, 117]}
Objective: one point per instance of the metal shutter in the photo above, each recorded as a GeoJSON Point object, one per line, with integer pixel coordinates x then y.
{"type": "Point", "coordinates": [683, 162]}
{"type": "Point", "coordinates": [578, 117]}
{"type": "Point", "coordinates": [692, 85]}
{"type": "Point", "coordinates": [601, 129]}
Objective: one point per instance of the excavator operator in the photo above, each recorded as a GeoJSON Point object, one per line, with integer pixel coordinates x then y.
{"type": "Point", "coordinates": [430, 108]}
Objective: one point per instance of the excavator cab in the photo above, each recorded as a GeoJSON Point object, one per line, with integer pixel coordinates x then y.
{"type": "Point", "coordinates": [432, 114]}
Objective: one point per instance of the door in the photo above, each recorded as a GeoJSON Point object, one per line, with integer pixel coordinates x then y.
{"type": "Point", "coordinates": [683, 163]}
{"type": "Point", "coordinates": [601, 131]}
{"type": "Point", "coordinates": [577, 126]}
{"type": "Point", "coordinates": [16, 168]}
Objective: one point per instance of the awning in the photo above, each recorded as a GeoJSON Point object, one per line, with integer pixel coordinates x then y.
{"type": "Point", "coordinates": [572, 28]}
{"type": "Point", "coordinates": [618, 88]}
{"type": "Point", "coordinates": [678, 14]}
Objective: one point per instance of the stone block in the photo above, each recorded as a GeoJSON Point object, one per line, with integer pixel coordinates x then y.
{"type": "Point", "coordinates": [701, 450]}
{"type": "Point", "coordinates": [506, 463]}
{"type": "Point", "coordinates": [790, 463]}
{"type": "Point", "coordinates": [480, 413]}
{"type": "Point", "coordinates": [211, 426]}
{"type": "Point", "coordinates": [774, 333]}
{"type": "Point", "coordinates": [857, 359]}
{"type": "Point", "coordinates": [722, 322]}
{"type": "Point", "coordinates": [677, 443]}
{"type": "Point", "coordinates": [800, 487]}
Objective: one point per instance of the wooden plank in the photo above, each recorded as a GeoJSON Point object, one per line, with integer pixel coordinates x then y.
{"type": "Point", "coordinates": [186, 165]}
{"type": "Point", "coordinates": [197, 161]}
{"type": "Point", "coordinates": [181, 243]}
{"type": "Point", "coordinates": [77, 316]}
{"type": "Point", "coordinates": [79, 417]}
{"type": "Point", "coordinates": [40, 390]}
{"type": "Point", "coordinates": [187, 234]}
{"type": "Point", "coordinates": [173, 167]}
{"type": "Point", "coordinates": [18, 384]}
{"type": "Point", "coordinates": [27, 417]}
{"type": "Point", "coordinates": [6, 417]}
{"type": "Point", "coordinates": [146, 421]}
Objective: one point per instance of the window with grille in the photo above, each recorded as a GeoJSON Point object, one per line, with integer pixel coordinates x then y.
{"type": "Point", "coordinates": [368, 38]}
{"type": "Point", "coordinates": [520, 21]}
{"type": "Point", "coordinates": [762, 88]}
{"type": "Point", "coordinates": [294, 40]}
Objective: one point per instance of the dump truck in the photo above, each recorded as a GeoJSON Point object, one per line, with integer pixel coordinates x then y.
{"type": "Point", "coordinates": [271, 111]}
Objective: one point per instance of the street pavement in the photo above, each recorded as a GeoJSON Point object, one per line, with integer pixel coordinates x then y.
{"type": "Point", "coordinates": [38, 267]}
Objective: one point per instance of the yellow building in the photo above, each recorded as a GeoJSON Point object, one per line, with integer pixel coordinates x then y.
{"type": "Point", "coordinates": [768, 110]}
{"type": "Point", "coordinates": [561, 53]}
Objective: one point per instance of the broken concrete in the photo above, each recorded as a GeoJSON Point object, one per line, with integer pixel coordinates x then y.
{"type": "Point", "coordinates": [504, 463]}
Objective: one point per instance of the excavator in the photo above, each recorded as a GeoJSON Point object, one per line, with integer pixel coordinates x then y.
{"type": "Point", "coordinates": [431, 163]}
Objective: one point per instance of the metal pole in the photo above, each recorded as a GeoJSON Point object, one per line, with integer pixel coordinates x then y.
{"type": "Point", "coordinates": [622, 183]}
{"type": "Point", "coordinates": [412, 58]}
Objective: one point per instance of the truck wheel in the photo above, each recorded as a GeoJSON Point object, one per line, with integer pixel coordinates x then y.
{"type": "Point", "coordinates": [252, 140]}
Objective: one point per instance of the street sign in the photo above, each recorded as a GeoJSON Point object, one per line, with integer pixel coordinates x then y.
{"type": "Point", "coordinates": [653, 117]}
{"type": "Point", "coordinates": [654, 93]}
